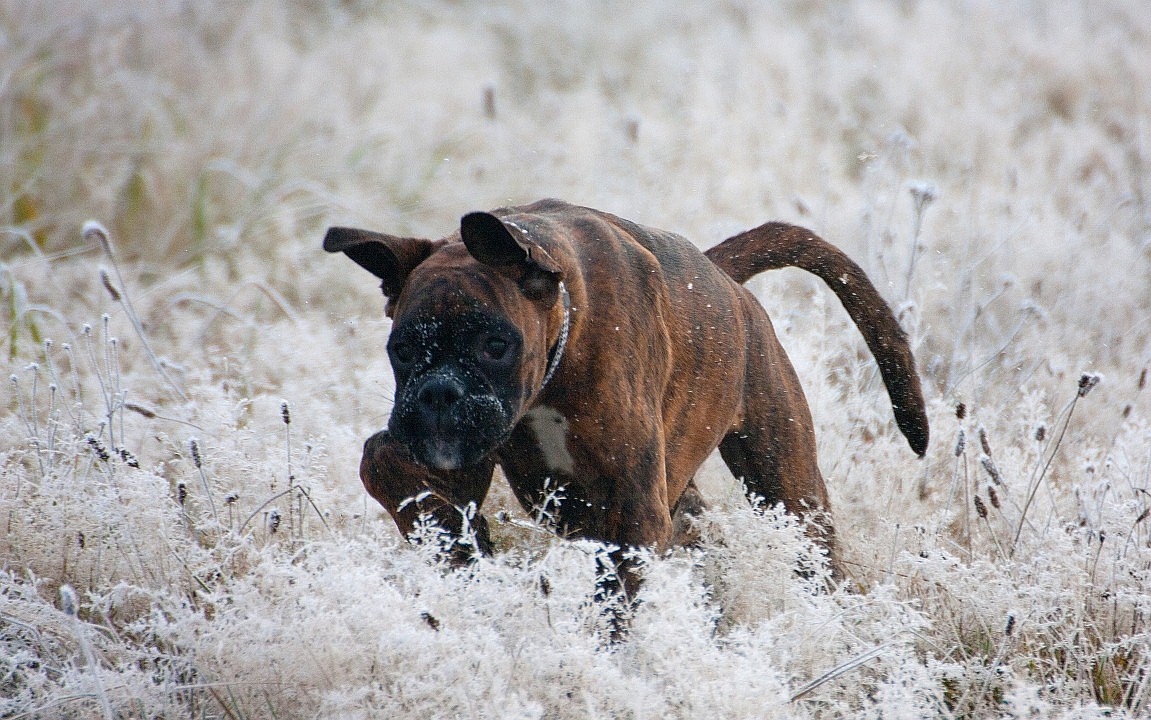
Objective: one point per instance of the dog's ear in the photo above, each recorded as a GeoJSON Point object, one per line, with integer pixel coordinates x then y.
{"type": "Point", "coordinates": [387, 257]}
{"type": "Point", "coordinates": [506, 247]}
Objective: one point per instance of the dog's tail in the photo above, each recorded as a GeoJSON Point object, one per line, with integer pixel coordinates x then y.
{"type": "Point", "coordinates": [777, 245]}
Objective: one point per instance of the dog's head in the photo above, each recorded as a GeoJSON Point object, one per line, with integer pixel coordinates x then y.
{"type": "Point", "coordinates": [475, 325]}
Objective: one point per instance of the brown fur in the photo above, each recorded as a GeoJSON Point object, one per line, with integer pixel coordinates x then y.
{"type": "Point", "coordinates": [668, 357]}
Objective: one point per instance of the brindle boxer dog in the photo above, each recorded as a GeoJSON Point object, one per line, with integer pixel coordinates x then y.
{"type": "Point", "coordinates": [582, 352]}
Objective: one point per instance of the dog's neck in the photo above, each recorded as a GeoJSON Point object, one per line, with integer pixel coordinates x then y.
{"type": "Point", "coordinates": [557, 351]}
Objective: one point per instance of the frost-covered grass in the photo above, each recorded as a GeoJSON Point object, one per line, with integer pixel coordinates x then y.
{"type": "Point", "coordinates": [988, 163]}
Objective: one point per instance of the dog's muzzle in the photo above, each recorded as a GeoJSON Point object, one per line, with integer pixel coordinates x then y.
{"type": "Point", "coordinates": [445, 426]}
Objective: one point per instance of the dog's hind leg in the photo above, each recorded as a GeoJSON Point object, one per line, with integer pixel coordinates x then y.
{"type": "Point", "coordinates": [772, 467]}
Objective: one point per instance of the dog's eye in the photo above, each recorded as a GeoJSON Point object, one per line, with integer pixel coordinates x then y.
{"type": "Point", "coordinates": [495, 348]}
{"type": "Point", "coordinates": [403, 353]}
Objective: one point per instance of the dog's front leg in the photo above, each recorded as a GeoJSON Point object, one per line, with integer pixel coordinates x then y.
{"type": "Point", "coordinates": [413, 494]}
{"type": "Point", "coordinates": [638, 519]}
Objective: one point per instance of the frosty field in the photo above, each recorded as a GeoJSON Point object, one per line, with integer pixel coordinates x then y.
{"type": "Point", "coordinates": [189, 377]}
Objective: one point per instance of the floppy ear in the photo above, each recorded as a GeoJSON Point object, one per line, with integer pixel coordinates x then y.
{"type": "Point", "coordinates": [387, 257]}
{"type": "Point", "coordinates": [507, 248]}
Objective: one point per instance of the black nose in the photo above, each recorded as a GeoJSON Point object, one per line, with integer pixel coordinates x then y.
{"type": "Point", "coordinates": [440, 393]}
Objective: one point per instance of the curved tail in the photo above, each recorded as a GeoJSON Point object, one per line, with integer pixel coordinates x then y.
{"type": "Point", "coordinates": [777, 245]}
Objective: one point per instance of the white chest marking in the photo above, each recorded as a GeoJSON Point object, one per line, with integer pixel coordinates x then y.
{"type": "Point", "coordinates": [551, 428]}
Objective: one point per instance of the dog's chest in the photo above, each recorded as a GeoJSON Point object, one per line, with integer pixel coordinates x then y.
{"type": "Point", "coordinates": [547, 431]}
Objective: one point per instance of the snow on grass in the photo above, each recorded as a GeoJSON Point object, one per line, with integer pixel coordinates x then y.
{"type": "Point", "coordinates": [985, 162]}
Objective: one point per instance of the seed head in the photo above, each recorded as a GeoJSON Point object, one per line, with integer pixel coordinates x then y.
{"type": "Point", "coordinates": [960, 410]}
{"type": "Point", "coordinates": [285, 413]}
{"type": "Point", "coordinates": [992, 471]}
{"type": "Point", "coordinates": [140, 409]}
{"type": "Point", "coordinates": [1041, 433]}
{"type": "Point", "coordinates": [1087, 382]}
{"type": "Point", "coordinates": [196, 459]}
{"type": "Point", "coordinates": [922, 194]}
{"type": "Point", "coordinates": [960, 442]}
{"type": "Point", "coordinates": [1010, 626]}
{"type": "Point", "coordinates": [97, 447]}
{"type": "Point", "coordinates": [430, 620]}
{"type": "Point", "coordinates": [107, 283]}
{"type": "Point", "coordinates": [181, 493]}
{"type": "Point", "coordinates": [631, 129]}
{"type": "Point", "coordinates": [980, 508]}
{"type": "Point", "coordinates": [983, 441]}
{"type": "Point", "coordinates": [993, 496]}
{"type": "Point", "coordinates": [129, 458]}
{"type": "Point", "coordinates": [1142, 380]}
{"type": "Point", "coordinates": [95, 232]}
{"type": "Point", "coordinates": [489, 102]}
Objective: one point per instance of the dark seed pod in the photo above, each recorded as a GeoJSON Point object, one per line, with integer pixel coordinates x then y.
{"type": "Point", "coordinates": [992, 471]}
{"type": "Point", "coordinates": [980, 508]}
{"type": "Point", "coordinates": [98, 447]}
{"type": "Point", "coordinates": [140, 409]}
{"type": "Point", "coordinates": [107, 283]}
{"type": "Point", "coordinates": [1087, 381]}
{"type": "Point", "coordinates": [489, 102]}
{"type": "Point", "coordinates": [129, 458]}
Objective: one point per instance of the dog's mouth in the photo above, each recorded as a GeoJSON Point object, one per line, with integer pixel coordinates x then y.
{"type": "Point", "coordinates": [441, 454]}
{"type": "Point", "coordinates": [455, 436]}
